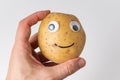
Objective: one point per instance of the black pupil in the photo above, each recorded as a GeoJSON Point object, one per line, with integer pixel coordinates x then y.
{"type": "Point", "coordinates": [75, 27]}
{"type": "Point", "coordinates": [51, 27]}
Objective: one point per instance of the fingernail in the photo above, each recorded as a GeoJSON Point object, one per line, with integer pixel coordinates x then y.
{"type": "Point", "coordinates": [81, 62]}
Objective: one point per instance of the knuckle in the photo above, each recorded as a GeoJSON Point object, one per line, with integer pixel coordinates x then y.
{"type": "Point", "coordinates": [70, 67]}
{"type": "Point", "coordinates": [21, 22]}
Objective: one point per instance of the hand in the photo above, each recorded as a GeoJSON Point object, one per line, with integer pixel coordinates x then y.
{"type": "Point", "coordinates": [26, 64]}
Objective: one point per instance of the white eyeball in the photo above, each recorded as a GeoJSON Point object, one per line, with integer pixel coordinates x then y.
{"type": "Point", "coordinates": [75, 26]}
{"type": "Point", "coordinates": [53, 26]}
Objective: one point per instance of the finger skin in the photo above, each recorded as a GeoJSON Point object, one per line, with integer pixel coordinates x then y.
{"type": "Point", "coordinates": [67, 68]}
{"type": "Point", "coordinates": [23, 32]}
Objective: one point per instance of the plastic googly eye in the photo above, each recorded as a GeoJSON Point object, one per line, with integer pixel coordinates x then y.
{"type": "Point", "coordinates": [75, 26]}
{"type": "Point", "coordinates": [53, 26]}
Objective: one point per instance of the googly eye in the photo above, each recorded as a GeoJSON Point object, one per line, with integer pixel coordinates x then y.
{"type": "Point", "coordinates": [53, 26]}
{"type": "Point", "coordinates": [75, 26]}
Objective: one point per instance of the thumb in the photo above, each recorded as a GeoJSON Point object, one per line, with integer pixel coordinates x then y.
{"type": "Point", "coordinates": [67, 68]}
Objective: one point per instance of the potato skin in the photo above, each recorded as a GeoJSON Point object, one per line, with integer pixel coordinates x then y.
{"type": "Point", "coordinates": [49, 42]}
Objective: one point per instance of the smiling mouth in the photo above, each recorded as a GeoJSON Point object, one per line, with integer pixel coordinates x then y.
{"type": "Point", "coordinates": [64, 46]}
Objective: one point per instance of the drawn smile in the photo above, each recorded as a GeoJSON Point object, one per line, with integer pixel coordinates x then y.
{"type": "Point", "coordinates": [64, 46]}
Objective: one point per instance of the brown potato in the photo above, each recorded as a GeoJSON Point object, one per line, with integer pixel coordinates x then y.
{"type": "Point", "coordinates": [61, 37]}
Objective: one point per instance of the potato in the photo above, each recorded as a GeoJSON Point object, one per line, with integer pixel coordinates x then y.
{"type": "Point", "coordinates": [61, 37]}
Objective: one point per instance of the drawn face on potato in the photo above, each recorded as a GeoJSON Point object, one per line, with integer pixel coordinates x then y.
{"type": "Point", "coordinates": [61, 37]}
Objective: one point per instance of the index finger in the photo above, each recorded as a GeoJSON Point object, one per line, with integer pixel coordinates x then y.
{"type": "Point", "coordinates": [24, 28]}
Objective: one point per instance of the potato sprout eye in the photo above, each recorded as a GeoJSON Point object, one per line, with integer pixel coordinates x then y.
{"type": "Point", "coordinates": [53, 26]}
{"type": "Point", "coordinates": [74, 25]}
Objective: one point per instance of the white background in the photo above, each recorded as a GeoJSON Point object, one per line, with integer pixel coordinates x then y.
{"type": "Point", "coordinates": [101, 22]}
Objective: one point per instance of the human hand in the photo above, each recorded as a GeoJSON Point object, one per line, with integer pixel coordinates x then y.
{"type": "Point", "coordinates": [26, 64]}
